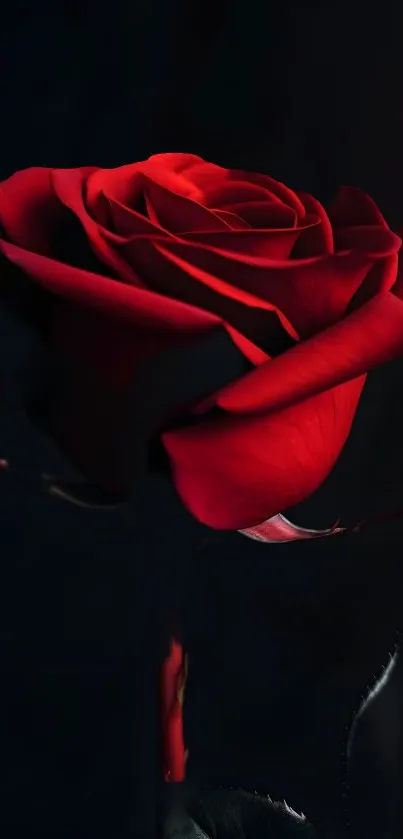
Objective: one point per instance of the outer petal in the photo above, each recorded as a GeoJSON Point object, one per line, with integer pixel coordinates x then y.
{"type": "Point", "coordinates": [233, 473]}
{"type": "Point", "coordinates": [368, 337]}
{"type": "Point", "coordinates": [381, 277]}
{"type": "Point", "coordinates": [352, 206]}
{"type": "Point", "coordinates": [141, 307]}
{"type": "Point", "coordinates": [30, 210]}
{"type": "Point", "coordinates": [371, 239]}
{"type": "Point", "coordinates": [293, 417]}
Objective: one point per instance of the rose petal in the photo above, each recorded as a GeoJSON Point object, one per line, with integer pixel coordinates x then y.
{"type": "Point", "coordinates": [268, 244]}
{"type": "Point", "coordinates": [186, 174]}
{"type": "Point", "coordinates": [208, 183]}
{"type": "Point", "coordinates": [317, 240]}
{"type": "Point", "coordinates": [29, 209]}
{"type": "Point", "coordinates": [170, 171]}
{"type": "Point", "coordinates": [131, 304]}
{"type": "Point", "coordinates": [69, 185]}
{"type": "Point", "coordinates": [203, 177]}
{"type": "Point", "coordinates": [276, 188]}
{"type": "Point", "coordinates": [374, 240]}
{"type": "Point", "coordinates": [312, 294]}
{"type": "Point", "coordinates": [381, 277]}
{"type": "Point", "coordinates": [253, 353]}
{"type": "Point", "coordinates": [352, 206]}
{"type": "Point", "coordinates": [234, 221]}
{"type": "Point", "coordinates": [173, 276]}
{"type": "Point", "coordinates": [230, 193]}
{"type": "Point", "coordinates": [244, 186]}
{"type": "Point", "coordinates": [265, 214]}
{"type": "Point", "coordinates": [181, 162]}
{"type": "Point", "coordinates": [143, 308]}
{"type": "Point", "coordinates": [183, 174]}
{"type": "Point", "coordinates": [176, 213]}
{"type": "Point", "coordinates": [121, 183]}
{"type": "Point", "coordinates": [178, 173]}
{"type": "Point", "coordinates": [128, 223]}
{"type": "Point", "coordinates": [368, 337]}
{"type": "Point", "coordinates": [233, 473]}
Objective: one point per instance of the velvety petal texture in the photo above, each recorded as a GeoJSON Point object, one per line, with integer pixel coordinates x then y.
{"type": "Point", "coordinates": [152, 254]}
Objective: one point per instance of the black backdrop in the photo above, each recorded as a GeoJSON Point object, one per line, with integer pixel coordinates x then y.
{"type": "Point", "coordinates": [312, 96]}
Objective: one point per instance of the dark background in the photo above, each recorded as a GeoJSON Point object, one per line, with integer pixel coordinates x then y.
{"type": "Point", "coordinates": [285, 641]}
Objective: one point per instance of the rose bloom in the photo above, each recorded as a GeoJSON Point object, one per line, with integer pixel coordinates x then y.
{"type": "Point", "coordinates": [173, 248]}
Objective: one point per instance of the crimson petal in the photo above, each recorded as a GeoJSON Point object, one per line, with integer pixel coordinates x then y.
{"type": "Point", "coordinates": [368, 337]}
{"type": "Point", "coordinates": [374, 240]}
{"type": "Point", "coordinates": [128, 223]}
{"type": "Point", "coordinates": [174, 276]}
{"type": "Point", "coordinates": [311, 293]}
{"type": "Point", "coordinates": [129, 303]}
{"type": "Point", "coordinates": [268, 244]}
{"type": "Point", "coordinates": [353, 206]}
{"type": "Point", "coordinates": [235, 472]}
{"type": "Point", "coordinates": [317, 240]}
{"type": "Point", "coordinates": [69, 185]}
{"type": "Point", "coordinates": [176, 212]}
{"type": "Point", "coordinates": [265, 214]}
{"type": "Point", "coordinates": [30, 209]}
{"type": "Point", "coordinates": [234, 221]}
{"type": "Point", "coordinates": [245, 184]}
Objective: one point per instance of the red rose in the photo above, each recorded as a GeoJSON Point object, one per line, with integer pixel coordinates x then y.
{"type": "Point", "coordinates": [182, 247]}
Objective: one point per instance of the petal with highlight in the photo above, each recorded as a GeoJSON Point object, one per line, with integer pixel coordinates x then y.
{"type": "Point", "coordinates": [176, 212]}
{"type": "Point", "coordinates": [235, 472]}
{"type": "Point", "coordinates": [139, 306]}
{"type": "Point", "coordinates": [69, 187]}
{"type": "Point", "coordinates": [370, 336]}
{"type": "Point", "coordinates": [311, 294]}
